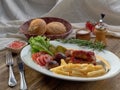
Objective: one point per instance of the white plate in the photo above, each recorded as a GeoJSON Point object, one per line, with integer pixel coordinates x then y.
{"type": "Point", "coordinates": [113, 60]}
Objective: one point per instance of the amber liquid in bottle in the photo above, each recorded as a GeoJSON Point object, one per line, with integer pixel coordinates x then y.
{"type": "Point", "coordinates": [100, 36]}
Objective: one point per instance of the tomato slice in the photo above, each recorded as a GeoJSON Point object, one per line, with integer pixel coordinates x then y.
{"type": "Point", "coordinates": [40, 61]}
{"type": "Point", "coordinates": [41, 58]}
{"type": "Point", "coordinates": [35, 55]}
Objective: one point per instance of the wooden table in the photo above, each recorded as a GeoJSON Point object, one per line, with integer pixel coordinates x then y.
{"type": "Point", "coordinates": [38, 81]}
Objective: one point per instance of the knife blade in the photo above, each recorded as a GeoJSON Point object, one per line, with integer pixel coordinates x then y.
{"type": "Point", "coordinates": [23, 85]}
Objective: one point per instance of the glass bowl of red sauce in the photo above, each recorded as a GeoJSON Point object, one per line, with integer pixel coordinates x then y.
{"type": "Point", "coordinates": [16, 46]}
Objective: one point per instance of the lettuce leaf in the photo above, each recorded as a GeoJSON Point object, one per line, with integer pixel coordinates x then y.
{"type": "Point", "coordinates": [40, 43]}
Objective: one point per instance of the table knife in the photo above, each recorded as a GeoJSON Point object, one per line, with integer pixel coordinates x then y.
{"type": "Point", "coordinates": [23, 85]}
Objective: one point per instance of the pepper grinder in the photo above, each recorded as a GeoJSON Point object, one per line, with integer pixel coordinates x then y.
{"type": "Point", "coordinates": [100, 31]}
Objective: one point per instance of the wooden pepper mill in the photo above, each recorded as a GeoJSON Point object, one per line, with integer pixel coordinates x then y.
{"type": "Point", "coordinates": [100, 31]}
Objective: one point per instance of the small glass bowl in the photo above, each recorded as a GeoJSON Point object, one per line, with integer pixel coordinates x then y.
{"type": "Point", "coordinates": [16, 46]}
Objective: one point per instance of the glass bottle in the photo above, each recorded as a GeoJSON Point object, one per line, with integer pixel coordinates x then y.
{"type": "Point", "coordinates": [100, 32]}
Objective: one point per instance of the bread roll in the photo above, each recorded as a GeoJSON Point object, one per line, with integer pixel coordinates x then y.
{"type": "Point", "coordinates": [54, 28]}
{"type": "Point", "coordinates": [37, 26]}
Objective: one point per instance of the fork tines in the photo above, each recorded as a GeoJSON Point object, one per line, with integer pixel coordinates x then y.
{"type": "Point", "coordinates": [9, 59]}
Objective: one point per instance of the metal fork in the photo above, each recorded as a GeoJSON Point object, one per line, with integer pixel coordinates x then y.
{"type": "Point", "coordinates": [9, 62]}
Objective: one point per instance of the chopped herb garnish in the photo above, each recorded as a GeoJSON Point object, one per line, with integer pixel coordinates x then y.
{"type": "Point", "coordinates": [94, 45]}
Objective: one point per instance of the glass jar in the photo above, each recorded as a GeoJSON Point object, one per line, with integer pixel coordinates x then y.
{"type": "Point", "coordinates": [100, 35]}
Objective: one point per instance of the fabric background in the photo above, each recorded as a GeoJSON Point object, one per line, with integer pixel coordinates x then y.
{"type": "Point", "coordinates": [14, 13]}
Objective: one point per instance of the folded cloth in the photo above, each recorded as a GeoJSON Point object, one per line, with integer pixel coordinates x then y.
{"type": "Point", "coordinates": [113, 30]}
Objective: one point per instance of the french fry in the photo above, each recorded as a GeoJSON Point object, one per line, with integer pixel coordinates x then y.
{"type": "Point", "coordinates": [78, 74]}
{"type": "Point", "coordinates": [96, 73]}
{"type": "Point", "coordinates": [97, 67]}
{"type": "Point", "coordinates": [56, 68]}
{"type": "Point", "coordinates": [79, 70]}
{"type": "Point", "coordinates": [61, 72]}
{"type": "Point", "coordinates": [63, 62]}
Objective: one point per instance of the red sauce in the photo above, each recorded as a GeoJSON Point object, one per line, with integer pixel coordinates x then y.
{"type": "Point", "coordinates": [17, 44]}
{"type": "Point", "coordinates": [81, 56]}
